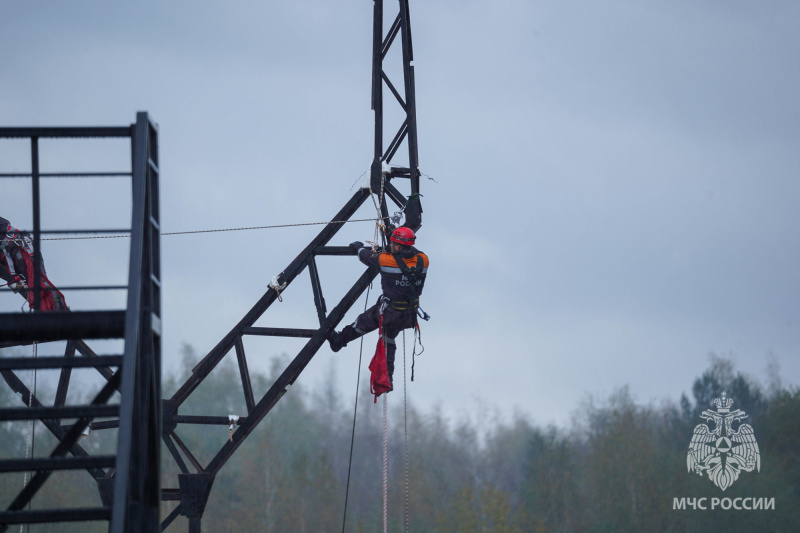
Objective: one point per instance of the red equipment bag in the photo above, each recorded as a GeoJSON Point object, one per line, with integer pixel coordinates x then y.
{"type": "Point", "coordinates": [379, 378]}
{"type": "Point", "coordinates": [51, 298]}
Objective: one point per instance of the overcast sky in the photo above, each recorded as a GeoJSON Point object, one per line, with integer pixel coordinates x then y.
{"type": "Point", "coordinates": [616, 183]}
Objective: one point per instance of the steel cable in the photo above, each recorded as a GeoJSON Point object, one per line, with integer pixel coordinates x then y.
{"type": "Point", "coordinates": [217, 230]}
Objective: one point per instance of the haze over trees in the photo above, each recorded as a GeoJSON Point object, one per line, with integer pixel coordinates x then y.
{"type": "Point", "coordinates": [616, 468]}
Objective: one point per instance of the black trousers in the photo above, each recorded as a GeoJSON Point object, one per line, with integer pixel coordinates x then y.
{"type": "Point", "coordinates": [393, 323]}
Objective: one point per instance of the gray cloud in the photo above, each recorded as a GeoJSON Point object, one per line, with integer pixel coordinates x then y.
{"type": "Point", "coordinates": [617, 183]}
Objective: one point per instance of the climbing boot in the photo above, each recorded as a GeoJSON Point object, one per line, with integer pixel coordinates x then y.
{"type": "Point", "coordinates": [340, 340]}
{"type": "Point", "coordinates": [335, 340]}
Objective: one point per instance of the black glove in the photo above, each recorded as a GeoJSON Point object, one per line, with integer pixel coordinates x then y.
{"type": "Point", "coordinates": [356, 246]}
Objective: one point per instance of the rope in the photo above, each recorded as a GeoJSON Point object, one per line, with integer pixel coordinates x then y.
{"type": "Point", "coordinates": [29, 442]}
{"type": "Point", "coordinates": [385, 467]}
{"type": "Point", "coordinates": [218, 230]}
{"type": "Point", "coordinates": [358, 178]}
{"type": "Point", "coordinates": [383, 203]}
{"type": "Point", "coordinates": [405, 424]}
{"type": "Point", "coordinates": [385, 443]}
{"type": "Point", "coordinates": [355, 411]}
{"type": "Point", "coordinates": [378, 208]}
{"type": "Point", "coordinates": [414, 354]}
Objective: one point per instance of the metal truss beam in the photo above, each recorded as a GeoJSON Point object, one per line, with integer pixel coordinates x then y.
{"type": "Point", "coordinates": [58, 325]}
{"type": "Point", "coordinates": [407, 100]}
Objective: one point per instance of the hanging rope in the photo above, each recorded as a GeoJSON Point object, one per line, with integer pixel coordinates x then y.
{"type": "Point", "coordinates": [378, 205]}
{"type": "Point", "coordinates": [405, 424]}
{"type": "Point", "coordinates": [355, 412]}
{"type": "Point", "coordinates": [385, 467]}
{"type": "Point", "coordinates": [414, 354]}
{"type": "Point", "coordinates": [29, 442]}
{"type": "Point", "coordinates": [385, 450]}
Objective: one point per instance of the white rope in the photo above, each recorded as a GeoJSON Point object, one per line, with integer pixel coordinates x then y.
{"type": "Point", "coordinates": [385, 469]}
{"type": "Point", "coordinates": [377, 205]}
{"type": "Point", "coordinates": [30, 425]}
{"type": "Point", "coordinates": [405, 424]}
{"type": "Point", "coordinates": [383, 180]}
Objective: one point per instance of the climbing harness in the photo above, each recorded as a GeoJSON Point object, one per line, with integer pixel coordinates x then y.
{"type": "Point", "coordinates": [413, 277]}
{"type": "Point", "coordinates": [403, 305]}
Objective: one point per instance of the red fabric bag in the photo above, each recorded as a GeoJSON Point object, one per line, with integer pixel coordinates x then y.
{"type": "Point", "coordinates": [379, 378]}
{"type": "Point", "coordinates": [51, 298]}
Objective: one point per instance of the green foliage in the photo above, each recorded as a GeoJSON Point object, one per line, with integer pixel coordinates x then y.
{"type": "Point", "coordinates": [616, 469]}
{"type": "Point", "coordinates": [623, 463]}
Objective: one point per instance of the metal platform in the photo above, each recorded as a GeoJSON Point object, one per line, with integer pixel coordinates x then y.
{"type": "Point", "coordinates": [129, 480]}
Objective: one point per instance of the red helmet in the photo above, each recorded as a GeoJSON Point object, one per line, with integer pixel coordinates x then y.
{"type": "Point", "coordinates": [403, 236]}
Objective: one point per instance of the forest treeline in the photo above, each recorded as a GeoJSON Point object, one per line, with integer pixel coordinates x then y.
{"type": "Point", "coordinates": [618, 467]}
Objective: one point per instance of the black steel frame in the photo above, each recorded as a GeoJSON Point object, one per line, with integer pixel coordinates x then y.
{"type": "Point", "coordinates": [381, 44]}
{"type": "Point", "coordinates": [129, 482]}
{"type": "Point", "coordinates": [194, 485]}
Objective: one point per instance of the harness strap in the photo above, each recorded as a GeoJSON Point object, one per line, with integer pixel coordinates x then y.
{"type": "Point", "coordinates": [411, 274]}
{"type": "Point", "coordinates": [403, 305]}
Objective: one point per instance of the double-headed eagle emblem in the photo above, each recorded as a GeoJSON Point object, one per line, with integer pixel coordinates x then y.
{"type": "Point", "coordinates": [722, 452]}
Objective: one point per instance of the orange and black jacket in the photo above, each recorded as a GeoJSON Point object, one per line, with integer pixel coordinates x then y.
{"type": "Point", "coordinates": [400, 283]}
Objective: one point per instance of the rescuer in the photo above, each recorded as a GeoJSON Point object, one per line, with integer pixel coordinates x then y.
{"type": "Point", "coordinates": [17, 258]}
{"type": "Point", "coordinates": [403, 272]}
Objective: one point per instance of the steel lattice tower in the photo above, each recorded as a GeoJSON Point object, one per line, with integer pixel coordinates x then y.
{"type": "Point", "coordinates": [137, 476]}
